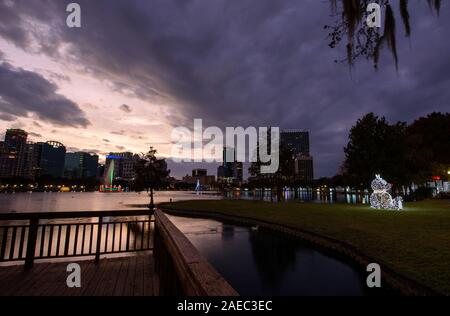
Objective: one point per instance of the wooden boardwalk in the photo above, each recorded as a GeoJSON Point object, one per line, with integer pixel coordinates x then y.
{"type": "Point", "coordinates": [123, 276]}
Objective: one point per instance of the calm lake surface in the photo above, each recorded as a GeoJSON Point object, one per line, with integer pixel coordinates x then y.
{"type": "Point", "coordinates": [96, 201]}
{"type": "Point", "coordinates": [88, 201]}
{"type": "Point", "coordinates": [263, 263]}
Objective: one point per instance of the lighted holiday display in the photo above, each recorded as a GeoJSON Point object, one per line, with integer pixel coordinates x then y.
{"type": "Point", "coordinates": [381, 199]}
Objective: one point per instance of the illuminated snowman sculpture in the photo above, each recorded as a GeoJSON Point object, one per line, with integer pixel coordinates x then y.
{"type": "Point", "coordinates": [381, 199]}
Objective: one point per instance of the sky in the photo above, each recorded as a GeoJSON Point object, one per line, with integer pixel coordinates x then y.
{"type": "Point", "coordinates": [136, 69]}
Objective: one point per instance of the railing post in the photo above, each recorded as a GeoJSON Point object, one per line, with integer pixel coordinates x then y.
{"type": "Point", "coordinates": [99, 239]}
{"type": "Point", "coordinates": [31, 243]}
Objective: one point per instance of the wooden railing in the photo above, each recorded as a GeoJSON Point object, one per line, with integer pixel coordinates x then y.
{"type": "Point", "coordinates": [181, 268]}
{"type": "Point", "coordinates": [93, 233]}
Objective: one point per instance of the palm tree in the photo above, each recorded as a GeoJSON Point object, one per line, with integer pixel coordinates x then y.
{"type": "Point", "coordinates": [364, 41]}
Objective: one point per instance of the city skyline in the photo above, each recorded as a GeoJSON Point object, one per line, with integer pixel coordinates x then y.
{"type": "Point", "coordinates": [117, 85]}
{"type": "Point", "coordinates": [232, 152]}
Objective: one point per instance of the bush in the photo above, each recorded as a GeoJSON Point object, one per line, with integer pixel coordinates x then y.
{"type": "Point", "coordinates": [444, 196]}
{"type": "Point", "coordinates": [422, 193]}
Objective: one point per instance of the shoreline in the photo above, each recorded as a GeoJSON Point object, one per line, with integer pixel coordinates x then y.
{"type": "Point", "coordinates": [395, 281]}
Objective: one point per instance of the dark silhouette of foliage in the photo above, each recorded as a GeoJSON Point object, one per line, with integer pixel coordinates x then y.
{"type": "Point", "coordinates": [151, 174]}
{"type": "Point", "coordinates": [364, 41]}
{"type": "Point", "coordinates": [400, 153]}
{"type": "Point", "coordinates": [429, 146]}
{"type": "Point", "coordinates": [375, 147]}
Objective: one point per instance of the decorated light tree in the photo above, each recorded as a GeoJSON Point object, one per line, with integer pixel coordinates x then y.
{"type": "Point", "coordinates": [381, 199]}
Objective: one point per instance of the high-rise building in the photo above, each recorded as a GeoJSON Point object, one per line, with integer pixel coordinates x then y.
{"type": "Point", "coordinates": [304, 169]}
{"type": "Point", "coordinates": [124, 165]}
{"type": "Point", "coordinates": [19, 158]}
{"type": "Point", "coordinates": [12, 154]}
{"type": "Point", "coordinates": [53, 156]}
{"type": "Point", "coordinates": [296, 140]}
{"type": "Point", "coordinates": [199, 172]}
{"type": "Point", "coordinates": [33, 153]}
{"type": "Point", "coordinates": [90, 165]}
{"type": "Point", "coordinates": [231, 170]}
{"type": "Point", "coordinates": [80, 165]}
{"type": "Point", "coordinates": [200, 176]}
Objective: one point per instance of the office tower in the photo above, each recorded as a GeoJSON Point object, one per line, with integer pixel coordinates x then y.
{"type": "Point", "coordinates": [52, 158]}
{"type": "Point", "coordinates": [200, 176]}
{"type": "Point", "coordinates": [199, 172]}
{"type": "Point", "coordinates": [90, 165]}
{"type": "Point", "coordinates": [124, 165]}
{"type": "Point", "coordinates": [296, 140]}
{"type": "Point", "coordinates": [304, 169]}
{"type": "Point", "coordinates": [80, 165]}
{"type": "Point", "coordinates": [33, 153]}
{"type": "Point", "coordinates": [12, 154]}
{"type": "Point", "coordinates": [230, 171]}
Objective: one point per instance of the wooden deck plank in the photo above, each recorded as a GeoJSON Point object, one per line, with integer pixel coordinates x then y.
{"type": "Point", "coordinates": [138, 286]}
{"type": "Point", "coordinates": [88, 270]}
{"type": "Point", "coordinates": [122, 279]}
{"type": "Point", "coordinates": [151, 280]}
{"type": "Point", "coordinates": [129, 284]}
{"type": "Point", "coordinates": [94, 284]}
{"type": "Point", "coordinates": [25, 281]}
{"type": "Point", "coordinates": [113, 276]}
{"type": "Point", "coordinates": [107, 283]}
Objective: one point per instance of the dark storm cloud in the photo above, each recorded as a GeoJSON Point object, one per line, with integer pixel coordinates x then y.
{"type": "Point", "coordinates": [7, 117]}
{"type": "Point", "coordinates": [246, 62]}
{"type": "Point", "coordinates": [23, 93]}
{"type": "Point", "coordinates": [125, 108]}
{"type": "Point", "coordinates": [34, 134]}
{"type": "Point", "coordinates": [86, 150]}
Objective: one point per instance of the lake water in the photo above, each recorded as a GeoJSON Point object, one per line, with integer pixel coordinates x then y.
{"type": "Point", "coordinates": [96, 201]}
{"type": "Point", "coordinates": [263, 263]}
{"type": "Point", "coordinates": [88, 201]}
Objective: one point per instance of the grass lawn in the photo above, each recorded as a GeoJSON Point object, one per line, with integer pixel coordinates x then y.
{"type": "Point", "coordinates": [414, 242]}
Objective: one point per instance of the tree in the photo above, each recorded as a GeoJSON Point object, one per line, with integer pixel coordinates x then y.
{"type": "Point", "coordinates": [400, 153]}
{"type": "Point", "coordinates": [151, 174]}
{"type": "Point", "coordinates": [375, 147]}
{"type": "Point", "coordinates": [429, 147]}
{"type": "Point", "coordinates": [362, 40]}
